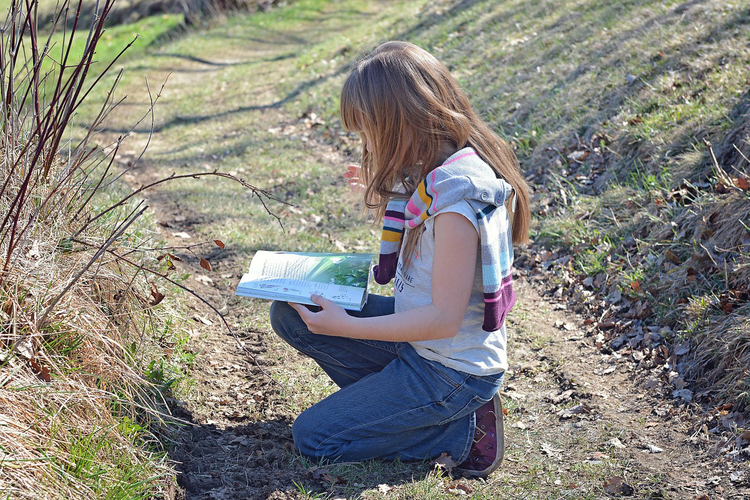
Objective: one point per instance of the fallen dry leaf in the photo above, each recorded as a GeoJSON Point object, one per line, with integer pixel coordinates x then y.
{"type": "Point", "coordinates": [158, 296]}
{"type": "Point", "coordinates": [578, 156]}
{"type": "Point", "coordinates": [685, 394]}
{"type": "Point", "coordinates": [321, 474]}
{"type": "Point", "coordinates": [384, 488]}
{"type": "Point", "coordinates": [690, 274]}
{"type": "Point", "coordinates": [203, 279]}
{"type": "Point", "coordinates": [459, 488]}
{"type": "Point", "coordinates": [203, 320]}
{"type": "Point", "coordinates": [579, 409]}
{"type": "Point", "coordinates": [551, 450]}
{"type": "Point", "coordinates": [673, 258]}
{"type": "Point", "coordinates": [653, 448]}
{"type": "Point", "coordinates": [25, 347]}
{"type": "Point", "coordinates": [616, 443]}
{"type": "Point", "coordinates": [616, 485]}
{"type": "Point", "coordinates": [40, 371]}
{"type": "Point", "coordinates": [563, 396]}
{"type": "Point", "coordinates": [445, 462]}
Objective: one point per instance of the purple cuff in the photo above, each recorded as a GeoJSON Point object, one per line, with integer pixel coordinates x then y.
{"type": "Point", "coordinates": [385, 271]}
{"type": "Point", "coordinates": [497, 305]}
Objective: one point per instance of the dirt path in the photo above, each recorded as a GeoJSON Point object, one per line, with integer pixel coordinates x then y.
{"type": "Point", "coordinates": [582, 421]}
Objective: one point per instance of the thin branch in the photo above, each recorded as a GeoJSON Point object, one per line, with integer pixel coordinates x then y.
{"type": "Point", "coordinates": [256, 191]}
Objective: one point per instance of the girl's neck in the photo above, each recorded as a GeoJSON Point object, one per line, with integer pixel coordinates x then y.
{"type": "Point", "coordinates": [447, 150]}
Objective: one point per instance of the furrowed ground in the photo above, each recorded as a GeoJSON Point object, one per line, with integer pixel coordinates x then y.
{"type": "Point", "coordinates": [607, 104]}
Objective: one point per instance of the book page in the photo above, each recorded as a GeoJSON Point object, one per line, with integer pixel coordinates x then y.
{"type": "Point", "coordinates": [342, 278]}
{"type": "Point", "coordinates": [289, 266]}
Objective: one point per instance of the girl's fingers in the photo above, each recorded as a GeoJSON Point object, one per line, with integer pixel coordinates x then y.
{"type": "Point", "coordinates": [321, 301]}
{"type": "Point", "coordinates": [351, 171]}
{"type": "Point", "coordinates": [301, 310]}
{"type": "Point", "coordinates": [355, 186]}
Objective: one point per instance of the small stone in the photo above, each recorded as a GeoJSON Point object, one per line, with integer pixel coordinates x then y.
{"type": "Point", "coordinates": [737, 476]}
{"type": "Point", "coordinates": [616, 443]}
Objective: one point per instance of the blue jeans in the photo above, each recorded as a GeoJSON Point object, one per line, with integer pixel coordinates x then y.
{"type": "Point", "coordinates": [393, 403]}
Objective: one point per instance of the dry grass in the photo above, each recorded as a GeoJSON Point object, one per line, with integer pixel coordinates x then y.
{"type": "Point", "coordinates": [79, 398]}
{"type": "Point", "coordinates": [680, 256]}
{"type": "Point", "coordinates": [76, 407]}
{"type": "Point", "coordinates": [720, 363]}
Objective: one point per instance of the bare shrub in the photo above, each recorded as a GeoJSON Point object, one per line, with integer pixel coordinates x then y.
{"type": "Point", "coordinates": [78, 286]}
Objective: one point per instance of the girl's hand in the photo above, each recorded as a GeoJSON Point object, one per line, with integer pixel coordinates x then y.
{"type": "Point", "coordinates": [353, 180]}
{"type": "Point", "coordinates": [330, 320]}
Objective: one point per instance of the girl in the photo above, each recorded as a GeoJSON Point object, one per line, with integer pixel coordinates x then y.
{"type": "Point", "coordinates": [419, 372]}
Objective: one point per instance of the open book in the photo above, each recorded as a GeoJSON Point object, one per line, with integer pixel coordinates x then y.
{"type": "Point", "coordinates": [292, 277]}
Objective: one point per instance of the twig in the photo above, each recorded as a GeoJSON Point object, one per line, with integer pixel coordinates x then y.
{"type": "Point", "coordinates": [709, 255]}
{"type": "Point", "coordinates": [742, 155]}
{"type": "Point", "coordinates": [614, 217]}
{"type": "Point", "coordinates": [173, 247]}
{"type": "Point", "coordinates": [256, 191]}
{"type": "Point", "coordinates": [720, 172]}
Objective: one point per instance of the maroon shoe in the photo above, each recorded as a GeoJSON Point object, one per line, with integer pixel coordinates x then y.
{"type": "Point", "coordinates": [488, 447]}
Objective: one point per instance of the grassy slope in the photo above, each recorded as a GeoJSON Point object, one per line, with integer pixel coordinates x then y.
{"type": "Point", "coordinates": [549, 78]}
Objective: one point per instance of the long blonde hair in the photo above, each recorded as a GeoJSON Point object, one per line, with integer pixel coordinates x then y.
{"type": "Point", "coordinates": [408, 107]}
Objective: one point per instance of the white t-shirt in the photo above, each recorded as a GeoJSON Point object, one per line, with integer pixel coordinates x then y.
{"type": "Point", "coordinates": [471, 350]}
